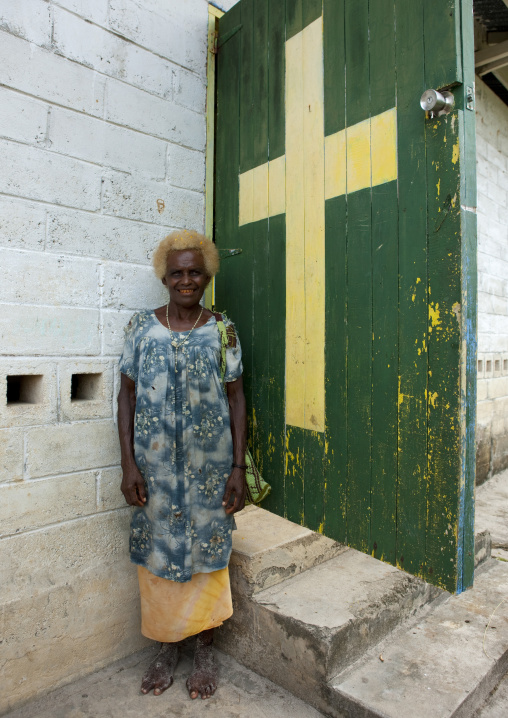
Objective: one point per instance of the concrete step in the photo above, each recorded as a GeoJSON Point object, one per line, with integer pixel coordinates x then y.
{"type": "Point", "coordinates": [268, 549]}
{"type": "Point", "coordinates": [444, 665]}
{"type": "Point", "coordinates": [303, 630]}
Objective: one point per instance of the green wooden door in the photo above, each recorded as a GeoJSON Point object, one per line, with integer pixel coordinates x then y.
{"type": "Point", "coordinates": [354, 294]}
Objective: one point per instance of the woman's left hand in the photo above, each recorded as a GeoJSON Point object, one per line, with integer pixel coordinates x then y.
{"type": "Point", "coordinates": [235, 486]}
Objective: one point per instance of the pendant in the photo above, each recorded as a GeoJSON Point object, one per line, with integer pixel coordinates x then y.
{"type": "Point", "coordinates": [174, 343]}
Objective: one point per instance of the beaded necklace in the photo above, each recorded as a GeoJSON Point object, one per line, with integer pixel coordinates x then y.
{"type": "Point", "coordinates": [179, 345]}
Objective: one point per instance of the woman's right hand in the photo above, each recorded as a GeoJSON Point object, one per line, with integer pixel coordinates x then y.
{"type": "Point", "coordinates": [133, 487]}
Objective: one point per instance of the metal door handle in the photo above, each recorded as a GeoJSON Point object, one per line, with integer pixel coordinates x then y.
{"type": "Point", "coordinates": [437, 102]}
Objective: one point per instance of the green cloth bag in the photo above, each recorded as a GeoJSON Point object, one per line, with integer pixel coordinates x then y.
{"type": "Point", "coordinates": [257, 487]}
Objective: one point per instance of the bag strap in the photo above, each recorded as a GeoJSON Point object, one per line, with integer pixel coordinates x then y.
{"type": "Point", "coordinates": [224, 343]}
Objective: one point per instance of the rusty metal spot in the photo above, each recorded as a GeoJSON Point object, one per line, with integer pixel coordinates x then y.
{"type": "Point", "coordinates": [402, 559]}
{"type": "Point", "coordinates": [375, 545]}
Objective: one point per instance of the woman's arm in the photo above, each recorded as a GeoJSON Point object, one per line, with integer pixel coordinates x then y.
{"type": "Point", "coordinates": [238, 414]}
{"type": "Point", "coordinates": [133, 485]}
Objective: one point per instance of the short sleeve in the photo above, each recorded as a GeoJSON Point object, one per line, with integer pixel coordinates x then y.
{"type": "Point", "coordinates": [234, 367]}
{"type": "Point", "coordinates": [128, 359]}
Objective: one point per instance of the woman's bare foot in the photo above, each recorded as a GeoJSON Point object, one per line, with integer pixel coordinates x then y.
{"type": "Point", "coordinates": [203, 679]}
{"type": "Point", "coordinates": [159, 674]}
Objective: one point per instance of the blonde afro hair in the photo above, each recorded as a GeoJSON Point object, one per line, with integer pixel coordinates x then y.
{"type": "Point", "coordinates": [185, 239]}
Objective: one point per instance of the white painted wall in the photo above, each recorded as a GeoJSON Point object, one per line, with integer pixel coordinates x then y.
{"type": "Point", "coordinates": [102, 138]}
{"type": "Point", "coordinates": [492, 166]}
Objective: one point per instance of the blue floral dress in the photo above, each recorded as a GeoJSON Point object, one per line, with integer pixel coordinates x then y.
{"type": "Point", "coordinates": [183, 447]}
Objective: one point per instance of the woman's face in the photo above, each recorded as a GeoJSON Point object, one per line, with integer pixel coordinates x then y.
{"type": "Point", "coordinates": [186, 278]}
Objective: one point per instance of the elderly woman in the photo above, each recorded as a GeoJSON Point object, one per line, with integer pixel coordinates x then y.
{"type": "Point", "coordinates": [183, 437]}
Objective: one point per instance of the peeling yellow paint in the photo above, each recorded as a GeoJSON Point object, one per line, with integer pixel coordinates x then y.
{"type": "Point", "coordinates": [433, 398]}
{"type": "Point", "coordinates": [401, 395]}
{"type": "Point", "coordinates": [321, 528]}
{"type": "Point", "coordinates": [418, 280]}
{"type": "Point", "coordinates": [438, 187]}
{"type": "Point", "coordinates": [456, 153]}
{"type": "Point", "coordinates": [434, 315]}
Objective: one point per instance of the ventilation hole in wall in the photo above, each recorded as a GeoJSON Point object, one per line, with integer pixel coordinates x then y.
{"type": "Point", "coordinates": [24, 389]}
{"type": "Point", "coordinates": [488, 366]}
{"type": "Point", "coordinates": [85, 387]}
{"type": "Point", "coordinates": [480, 365]}
{"type": "Point", "coordinates": [497, 365]}
{"type": "Point", "coordinates": [505, 365]}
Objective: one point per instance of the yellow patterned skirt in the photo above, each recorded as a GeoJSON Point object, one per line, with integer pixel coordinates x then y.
{"type": "Point", "coordinates": [172, 611]}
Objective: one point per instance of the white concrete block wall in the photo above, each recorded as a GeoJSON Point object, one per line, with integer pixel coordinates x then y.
{"type": "Point", "coordinates": [492, 169]}
{"type": "Point", "coordinates": [102, 141]}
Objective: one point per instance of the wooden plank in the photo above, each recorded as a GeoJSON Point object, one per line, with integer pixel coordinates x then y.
{"type": "Point", "coordinates": [312, 9]}
{"type": "Point", "coordinates": [359, 318]}
{"type": "Point", "coordinates": [385, 299]}
{"type": "Point", "coordinates": [294, 17]}
{"type": "Point", "coordinates": [247, 87]}
{"type": "Point", "coordinates": [294, 474]}
{"type": "Point", "coordinates": [442, 30]}
{"type": "Point", "coordinates": [336, 446]}
{"type": "Point", "coordinates": [412, 405]}
{"type": "Point", "coordinates": [336, 467]}
{"type": "Point", "coordinates": [295, 234]}
{"type": "Point", "coordinates": [444, 431]}
{"type": "Point", "coordinates": [294, 456]}
{"type": "Point", "coordinates": [276, 77]}
{"type": "Point", "coordinates": [276, 288]}
{"type": "Point", "coordinates": [260, 244]}
{"type": "Point", "coordinates": [469, 307]}
{"type": "Point", "coordinates": [334, 66]}
{"type": "Point", "coordinates": [276, 276]}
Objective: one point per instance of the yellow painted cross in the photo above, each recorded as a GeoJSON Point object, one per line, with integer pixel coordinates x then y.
{"type": "Point", "coordinates": [314, 168]}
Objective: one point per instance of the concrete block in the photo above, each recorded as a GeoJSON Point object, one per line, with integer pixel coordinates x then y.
{"type": "Point", "coordinates": [500, 453]}
{"type": "Point", "coordinates": [481, 392]}
{"type": "Point", "coordinates": [30, 19]}
{"type": "Point", "coordinates": [189, 90]}
{"type": "Point", "coordinates": [37, 174]}
{"type": "Point", "coordinates": [22, 224]}
{"type": "Point", "coordinates": [95, 10]}
{"type": "Point", "coordinates": [496, 157]}
{"type": "Point", "coordinates": [186, 168]}
{"type": "Point", "coordinates": [37, 404]}
{"type": "Point", "coordinates": [158, 29]}
{"type": "Point", "coordinates": [132, 287]}
{"type": "Point", "coordinates": [11, 455]}
{"type": "Point", "coordinates": [31, 504]}
{"type": "Point", "coordinates": [484, 412]}
{"type": "Point", "coordinates": [109, 495]}
{"type": "Point", "coordinates": [498, 387]}
{"type": "Point", "coordinates": [150, 201]}
{"type": "Point", "coordinates": [496, 192]}
{"type": "Point", "coordinates": [33, 70]}
{"type": "Point", "coordinates": [491, 508]}
{"type": "Point", "coordinates": [57, 592]}
{"type": "Point", "coordinates": [94, 398]}
{"type": "Point", "coordinates": [113, 332]}
{"type": "Point", "coordinates": [33, 277]}
{"type": "Point", "coordinates": [97, 235]}
{"type": "Point", "coordinates": [22, 118]}
{"type": "Point", "coordinates": [489, 283]}
{"type": "Point", "coordinates": [97, 141]}
{"type": "Point", "coordinates": [66, 448]}
{"type": "Point", "coordinates": [131, 107]}
{"type": "Point", "coordinates": [483, 457]}
{"type": "Point", "coordinates": [94, 47]}
{"type": "Point", "coordinates": [48, 331]}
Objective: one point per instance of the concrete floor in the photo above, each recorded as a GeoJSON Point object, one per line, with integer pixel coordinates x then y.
{"type": "Point", "coordinates": [114, 693]}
